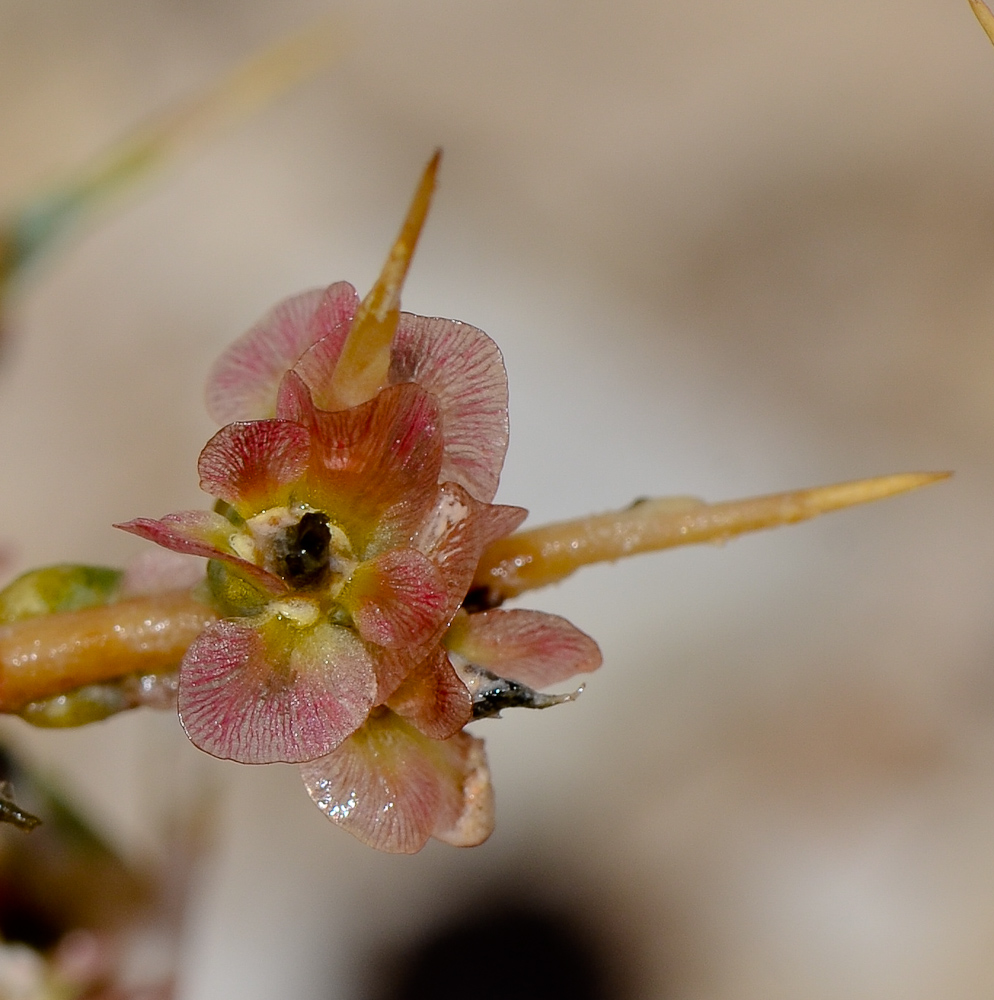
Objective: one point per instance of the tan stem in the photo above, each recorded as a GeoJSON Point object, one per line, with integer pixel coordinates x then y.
{"type": "Point", "coordinates": [52, 654]}
{"type": "Point", "coordinates": [540, 556]}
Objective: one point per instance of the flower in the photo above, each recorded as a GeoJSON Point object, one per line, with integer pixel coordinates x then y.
{"type": "Point", "coordinates": [338, 564]}
{"type": "Point", "coordinates": [351, 516]}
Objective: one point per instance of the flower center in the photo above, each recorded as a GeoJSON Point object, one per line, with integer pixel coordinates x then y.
{"type": "Point", "coordinates": [305, 551]}
{"type": "Point", "coordinates": [300, 545]}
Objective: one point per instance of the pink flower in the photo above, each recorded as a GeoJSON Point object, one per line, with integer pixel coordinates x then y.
{"type": "Point", "coordinates": [342, 547]}
{"type": "Point", "coordinates": [457, 363]}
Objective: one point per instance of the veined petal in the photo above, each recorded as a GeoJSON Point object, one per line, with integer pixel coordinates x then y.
{"type": "Point", "coordinates": [241, 700]}
{"type": "Point", "coordinates": [201, 533]}
{"type": "Point", "coordinates": [433, 698]}
{"type": "Point", "coordinates": [244, 381]}
{"type": "Point", "coordinates": [451, 537]}
{"type": "Point", "coordinates": [463, 367]}
{"type": "Point", "coordinates": [498, 520]}
{"type": "Point", "coordinates": [530, 647]}
{"type": "Point", "coordinates": [294, 402]}
{"type": "Point", "coordinates": [333, 321]}
{"type": "Point", "coordinates": [396, 599]}
{"type": "Point", "coordinates": [251, 465]}
{"type": "Point", "coordinates": [393, 788]}
{"type": "Point", "coordinates": [374, 467]}
{"type": "Point", "coordinates": [393, 665]}
{"type": "Point", "coordinates": [456, 531]}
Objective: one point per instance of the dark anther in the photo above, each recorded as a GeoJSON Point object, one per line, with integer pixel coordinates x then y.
{"type": "Point", "coordinates": [307, 550]}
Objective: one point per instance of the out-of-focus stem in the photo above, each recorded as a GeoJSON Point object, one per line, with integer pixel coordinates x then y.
{"type": "Point", "coordinates": [236, 97]}
{"type": "Point", "coordinates": [984, 16]}
{"type": "Point", "coordinates": [52, 654]}
{"type": "Point", "coordinates": [365, 359]}
{"type": "Point", "coordinates": [540, 556]}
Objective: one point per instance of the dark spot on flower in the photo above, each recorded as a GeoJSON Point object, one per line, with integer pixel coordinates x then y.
{"type": "Point", "coordinates": [306, 549]}
{"type": "Point", "coordinates": [482, 599]}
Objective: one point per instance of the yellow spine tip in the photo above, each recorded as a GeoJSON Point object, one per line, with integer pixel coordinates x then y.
{"type": "Point", "coordinates": [985, 16]}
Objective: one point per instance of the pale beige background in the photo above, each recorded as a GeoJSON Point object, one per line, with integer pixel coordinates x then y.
{"type": "Point", "coordinates": [726, 249]}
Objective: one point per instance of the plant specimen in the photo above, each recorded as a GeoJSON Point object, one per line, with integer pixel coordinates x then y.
{"type": "Point", "coordinates": [349, 616]}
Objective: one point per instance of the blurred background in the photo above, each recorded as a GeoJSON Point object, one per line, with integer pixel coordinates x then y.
{"type": "Point", "coordinates": [726, 250]}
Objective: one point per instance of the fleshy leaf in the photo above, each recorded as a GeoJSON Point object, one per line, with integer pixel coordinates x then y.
{"type": "Point", "coordinates": [47, 656]}
{"type": "Point", "coordinates": [984, 16]}
{"type": "Point", "coordinates": [530, 647]}
{"type": "Point", "coordinates": [240, 700]}
{"type": "Point", "coordinates": [463, 367]}
{"type": "Point", "coordinates": [393, 788]}
{"type": "Point", "coordinates": [397, 599]}
{"type": "Point", "coordinates": [433, 698]}
{"type": "Point", "coordinates": [252, 465]}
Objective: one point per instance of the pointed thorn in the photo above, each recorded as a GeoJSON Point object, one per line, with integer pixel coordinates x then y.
{"type": "Point", "coordinates": [365, 359]}
{"type": "Point", "coordinates": [540, 556]}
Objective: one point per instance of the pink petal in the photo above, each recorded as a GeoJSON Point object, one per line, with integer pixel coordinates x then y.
{"type": "Point", "coordinates": [500, 520]}
{"type": "Point", "coordinates": [433, 698]}
{"type": "Point", "coordinates": [530, 647]}
{"type": "Point", "coordinates": [317, 364]}
{"type": "Point", "coordinates": [452, 536]}
{"type": "Point", "coordinates": [201, 533]}
{"type": "Point", "coordinates": [294, 403]}
{"type": "Point", "coordinates": [393, 665]}
{"type": "Point", "coordinates": [456, 531]}
{"type": "Point", "coordinates": [244, 381]}
{"type": "Point", "coordinates": [252, 464]}
{"type": "Point", "coordinates": [393, 788]}
{"type": "Point", "coordinates": [476, 821]}
{"type": "Point", "coordinates": [374, 467]}
{"type": "Point", "coordinates": [241, 699]}
{"type": "Point", "coordinates": [396, 599]}
{"type": "Point", "coordinates": [463, 367]}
